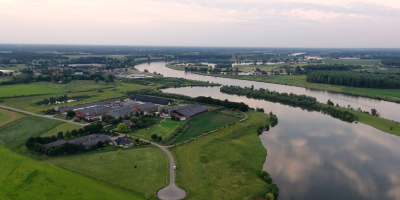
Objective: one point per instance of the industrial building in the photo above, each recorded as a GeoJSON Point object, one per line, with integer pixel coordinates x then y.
{"type": "Point", "coordinates": [147, 107]}
{"type": "Point", "coordinates": [188, 111]}
{"type": "Point", "coordinates": [155, 100]}
{"type": "Point", "coordinates": [106, 103]}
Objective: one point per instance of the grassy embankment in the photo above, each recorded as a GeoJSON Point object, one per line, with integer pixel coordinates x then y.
{"type": "Point", "coordinates": [300, 81]}
{"type": "Point", "coordinates": [163, 129]}
{"type": "Point", "coordinates": [224, 164]}
{"type": "Point", "coordinates": [118, 169]}
{"type": "Point", "coordinates": [206, 124]}
{"type": "Point", "coordinates": [75, 88]}
{"type": "Point", "coordinates": [7, 116]}
{"type": "Point", "coordinates": [24, 178]}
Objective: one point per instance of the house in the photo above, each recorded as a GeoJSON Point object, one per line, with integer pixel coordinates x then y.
{"type": "Point", "coordinates": [123, 142]}
{"type": "Point", "coordinates": [187, 111]}
{"type": "Point", "coordinates": [128, 123]}
{"type": "Point", "coordinates": [155, 100]}
{"type": "Point", "coordinates": [148, 107]}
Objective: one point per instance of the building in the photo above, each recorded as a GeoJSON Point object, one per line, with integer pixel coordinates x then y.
{"type": "Point", "coordinates": [84, 138]}
{"type": "Point", "coordinates": [147, 107]}
{"type": "Point", "coordinates": [155, 100]}
{"type": "Point", "coordinates": [123, 142]}
{"type": "Point", "coordinates": [188, 111]}
{"type": "Point", "coordinates": [94, 111]}
{"type": "Point", "coordinates": [128, 123]}
{"type": "Point", "coordinates": [106, 103]}
{"type": "Point", "coordinates": [121, 113]}
{"type": "Point", "coordinates": [92, 142]}
{"type": "Point", "coordinates": [129, 104]}
{"type": "Point", "coordinates": [78, 73]}
{"type": "Point", "coordinates": [78, 140]}
{"type": "Point", "coordinates": [55, 144]}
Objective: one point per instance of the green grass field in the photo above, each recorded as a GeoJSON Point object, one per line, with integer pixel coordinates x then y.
{"type": "Point", "coordinates": [118, 169]}
{"type": "Point", "coordinates": [361, 62]}
{"type": "Point", "coordinates": [80, 85]}
{"type": "Point", "coordinates": [224, 164]}
{"type": "Point", "coordinates": [164, 129]}
{"type": "Point", "coordinates": [7, 116]}
{"type": "Point", "coordinates": [206, 124]}
{"type": "Point", "coordinates": [16, 133]}
{"type": "Point", "coordinates": [24, 178]}
{"type": "Point", "coordinates": [4, 116]}
{"type": "Point", "coordinates": [26, 89]}
{"type": "Point", "coordinates": [64, 127]}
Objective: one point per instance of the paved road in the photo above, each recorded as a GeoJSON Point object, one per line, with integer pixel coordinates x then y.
{"type": "Point", "coordinates": [171, 192]}
{"type": "Point", "coordinates": [44, 116]}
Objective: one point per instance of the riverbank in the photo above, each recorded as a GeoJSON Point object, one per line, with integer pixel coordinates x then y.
{"type": "Point", "coordinates": [226, 163]}
{"type": "Point", "coordinates": [300, 81]}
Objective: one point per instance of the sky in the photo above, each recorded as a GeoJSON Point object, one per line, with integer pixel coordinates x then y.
{"type": "Point", "coordinates": [215, 23]}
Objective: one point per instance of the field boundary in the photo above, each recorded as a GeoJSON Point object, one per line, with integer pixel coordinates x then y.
{"type": "Point", "coordinates": [14, 116]}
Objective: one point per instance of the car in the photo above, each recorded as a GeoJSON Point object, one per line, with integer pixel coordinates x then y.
{"type": "Point", "coordinates": [174, 167]}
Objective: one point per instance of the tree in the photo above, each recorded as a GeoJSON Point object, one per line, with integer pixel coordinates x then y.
{"type": "Point", "coordinates": [81, 132]}
{"type": "Point", "coordinates": [96, 79]}
{"type": "Point", "coordinates": [60, 135]}
{"type": "Point", "coordinates": [154, 136]}
{"type": "Point", "coordinates": [269, 196]}
{"type": "Point", "coordinates": [74, 133]}
{"type": "Point", "coordinates": [122, 128]}
{"type": "Point", "coordinates": [75, 119]}
{"type": "Point", "coordinates": [330, 102]}
{"type": "Point", "coordinates": [173, 117]}
{"type": "Point", "coordinates": [68, 134]}
{"type": "Point", "coordinates": [374, 112]}
{"type": "Point", "coordinates": [100, 144]}
{"type": "Point", "coordinates": [71, 114]}
{"type": "Point", "coordinates": [159, 138]}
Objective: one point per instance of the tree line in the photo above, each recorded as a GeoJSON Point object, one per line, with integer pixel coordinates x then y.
{"type": "Point", "coordinates": [355, 79]}
{"type": "Point", "coordinates": [290, 99]}
{"type": "Point", "coordinates": [331, 67]}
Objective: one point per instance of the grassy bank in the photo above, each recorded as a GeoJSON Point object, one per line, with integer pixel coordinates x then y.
{"type": "Point", "coordinates": [206, 124]}
{"type": "Point", "coordinates": [224, 164]}
{"type": "Point", "coordinates": [23, 178]}
{"type": "Point", "coordinates": [118, 169]}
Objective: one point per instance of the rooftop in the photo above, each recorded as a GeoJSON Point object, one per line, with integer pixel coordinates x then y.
{"type": "Point", "coordinates": [190, 110]}
{"type": "Point", "coordinates": [151, 99]}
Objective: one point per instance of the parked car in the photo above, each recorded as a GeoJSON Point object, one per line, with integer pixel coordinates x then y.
{"type": "Point", "coordinates": [174, 167]}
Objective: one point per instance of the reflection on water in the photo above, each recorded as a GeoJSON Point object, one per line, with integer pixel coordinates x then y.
{"type": "Point", "coordinates": [386, 109]}
{"type": "Point", "coordinates": [315, 156]}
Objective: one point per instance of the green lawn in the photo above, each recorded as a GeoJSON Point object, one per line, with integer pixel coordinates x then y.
{"type": "Point", "coordinates": [64, 127]}
{"type": "Point", "coordinates": [224, 164]}
{"type": "Point", "coordinates": [164, 129]}
{"type": "Point", "coordinates": [361, 62]}
{"type": "Point", "coordinates": [118, 169]}
{"type": "Point", "coordinates": [80, 85]}
{"type": "Point", "coordinates": [26, 89]}
{"type": "Point", "coordinates": [24, 178]}
{"type": "Point", "coordinates": [206, 124]}
{"type": "Point", "coordinates": [7, 116]}
{"type": "Point", "coordinates": [16, 133]}
{"type": "Point", "coordinates": [4, 116]}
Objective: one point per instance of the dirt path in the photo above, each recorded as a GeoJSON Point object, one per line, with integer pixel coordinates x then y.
{"type": "Point", "coordinates": [44, 116]}
{"type": "Point", "coordinates": [14, 116]}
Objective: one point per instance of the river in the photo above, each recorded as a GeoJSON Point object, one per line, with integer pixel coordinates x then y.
{"type": "Point", "coordinates": [312, 155]}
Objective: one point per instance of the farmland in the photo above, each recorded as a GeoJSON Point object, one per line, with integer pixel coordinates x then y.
{"type": "Point", "coordinates": [64, 127]}
{"type": "Point", "coordinates": [225, 163]}
{"type": "Point", "coordinates": [362, 62]}
{"type": "Point", "coordinates": [163, 129]}
{"type": "Point", "coordinates": [23, 178]}
{"type": "Point", "coordinates": [26, 89]}
{"type": "Point", "coordinates": [8, 116]}
{"type": "Point", "coordinates": [118, 169]}
{"type": "Point", "coordinates": [16, 133]}
{"type": "Point", "coordinates": [206, 124]}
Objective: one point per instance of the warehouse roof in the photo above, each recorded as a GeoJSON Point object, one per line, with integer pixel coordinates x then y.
{"type": "Point", "coordinates": [120, 113]}
{"type": "Point", "coordinates": [129, 104]}
{"type": "Point", "coordinates": [148, 107]}
{"type": "Point", "coordinates": [151, 99]}
{"type": "Point", "coordinates": [190, 110]}
{"type": "Point", "coordinates": [99, 103]}
{"type": "Point", "coordinates": [95, 141]}
{"type": "Point", "coordinates": [55, 144]}
{"type": "Point", "coordinates": [83, 139]}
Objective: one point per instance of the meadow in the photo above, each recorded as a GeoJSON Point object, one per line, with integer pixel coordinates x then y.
{"type": "Point", "coordinates": [224, 164]}
{"type": "Point", "coordinates": [64, 127]}
{"type": "Point", "coordinates": [163, 129]}
{"type": "Point", "coordinates": [141, 171]}
{"type": "Point", "coordinates": [15, 134]}
{"type": "Point", "coordinates": [24, 178]}
{"type": "Point", "coordinates": [206, 124]}
{"type": "Point", "coordinates": [7, 116]}
{"type": "Point", "coordinates": [26, 89]}
{"type": "Point", "coordinates": [362, 62]}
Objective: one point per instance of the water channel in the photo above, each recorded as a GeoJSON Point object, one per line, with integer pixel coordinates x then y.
{"type": "Point", "coordinates": [312, 155]}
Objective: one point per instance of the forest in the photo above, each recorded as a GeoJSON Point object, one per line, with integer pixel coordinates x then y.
{"type": "Point", "coordinates": [391, 62]}
{"type": "Point", "coordinates": [290, 99]}
{"type": "Point", "coordinates": [355, 79]}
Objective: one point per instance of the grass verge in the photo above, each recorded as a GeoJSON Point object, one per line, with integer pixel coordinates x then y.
{"type": "Point", "coordinates": [163, 129]}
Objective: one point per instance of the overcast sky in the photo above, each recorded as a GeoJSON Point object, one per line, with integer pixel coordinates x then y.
{"type": "Point", "coordinates": [231, 23]}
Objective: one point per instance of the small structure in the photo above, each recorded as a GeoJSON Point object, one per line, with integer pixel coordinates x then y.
{"type": "Point", "coordinates": [123, 142]}
{"type": "Point", "coordinates": [155, 100]}
{"type": "Point", "coordinates": [128, 123]}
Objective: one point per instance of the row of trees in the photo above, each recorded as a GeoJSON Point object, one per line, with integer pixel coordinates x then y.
{"type": "Point", "coordinates": [290, 99]}
{"type": "Point", "coordinates": [168, 82]}
{"type": "Point", "coordinates": [335, 67]}
{"type": "Point", "coordinates": [355, 79]}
